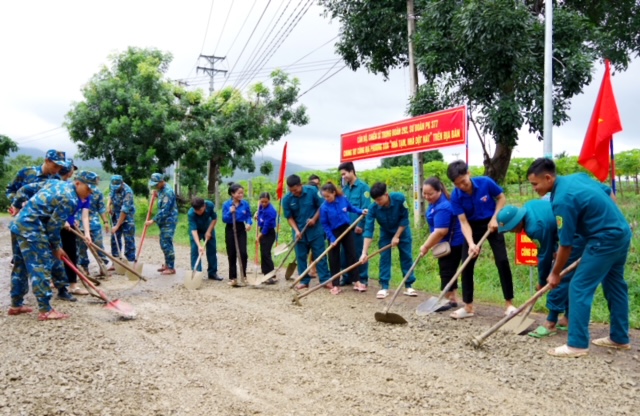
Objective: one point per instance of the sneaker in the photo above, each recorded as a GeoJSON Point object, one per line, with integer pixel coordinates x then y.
{"type": "Point", "coordinates": [19, 310]}
{"type": "Point", "coordinates": [383, 293]}
{"type": "Point", "coordinates": [233, 283]}
{"type": "Point", "coordinates": [271, 281]}
{"type": "Point", "coordinates": [215, 277]}
{"type": "Point", "coordinates": [63, 294]}
{"type": "Point", "coordinates": [51, 315]}
{"type": "Point", "coordinates": [410, 292]}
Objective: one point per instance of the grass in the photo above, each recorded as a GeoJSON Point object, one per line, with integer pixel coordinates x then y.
{"type": "Point", "coordinates": [487, 283]}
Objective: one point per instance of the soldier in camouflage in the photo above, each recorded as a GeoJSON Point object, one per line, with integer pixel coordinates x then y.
{"type": "Point", "coordinates": [36, 240]}
{"type": "Point", "coordinates": [167, 219]}
{"type": "Point", "coordinates": [122, 210]}
{"type": "Point", "coordinates": [97, 210]}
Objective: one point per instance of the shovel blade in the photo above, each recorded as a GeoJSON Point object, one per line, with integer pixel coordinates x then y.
{"type": "Point", "coordinates": [280, 249]}
{"type": "Point", "coordinates": [390, 318]}
{"type": "Point", "coordinates": [120, 269]}
{"type": "Point", "coordinates": [429, 306]}
{"type": "Point", "coordinates": [518, 325]}
{"type": "Point", "coordinates": [138, 268]}
{"type": "Point", "coordinates": [193, 280]}
{"type": "Point", "coordinates": [121, 308]}
{"type": "Point", "coordinates": [291, 268]}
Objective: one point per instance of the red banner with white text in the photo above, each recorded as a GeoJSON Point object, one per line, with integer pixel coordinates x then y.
{"type": "Point", "coordinates": [418, 134]}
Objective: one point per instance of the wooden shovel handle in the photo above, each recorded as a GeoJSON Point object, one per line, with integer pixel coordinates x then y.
{"type": "Point", "coordinates": [406, 276]}
{"type": "Point", "coordinates": [481, 338]}
{"type": "Point", "coordinates": [324, 253]}
{"type": "Point", "coordinates": [144, 230]}
{"type": "Point", "coordinates": [291, 249]}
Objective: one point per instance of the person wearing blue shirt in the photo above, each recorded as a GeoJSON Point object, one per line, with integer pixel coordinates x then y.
{"type": "Point", "coordinates": [476, 202]}
{"type": "Point", "coordinates": [202, 219]}
{"type": "Point", "coordinates": [301, 206]}
{"type": "Point", "coordinates": [243, 220]}
{"type": "Point", "coordinates": [358, 194]}
{"type": "Point", "coordinates": [585, 207]}
{"type": "Point", "coordinates": [537, 220]}
{"type": "Point", "coordinates": [444, 226]}
{"type": "Point", "coordinates": [391, 212]}
{"type": "Point", "coordinates": [266, 216]}
{"type": "Point", "coordinates": [167, 220]}
{"type": "Point", "coordinates": [334, 217]}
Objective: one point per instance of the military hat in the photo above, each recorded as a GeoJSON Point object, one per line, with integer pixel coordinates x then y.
{"type": "Point", "coordinates": [90, 178]}
{"type": "Point", "coordinates": [509, 217]}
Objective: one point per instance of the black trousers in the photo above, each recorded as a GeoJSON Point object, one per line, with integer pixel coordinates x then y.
{"type": "Point", "coordinates": [348, 244]}
{"type": "Point", "coordinates": [68, 240]}
{"type": "Point", "coordinates": [231, 249]}
{"type": "Point", "coordinates": [448, 266]}
{"type": "Point", "coordinates": [499, 249]}
{"type": "Point", "coordinates": [266, 243]}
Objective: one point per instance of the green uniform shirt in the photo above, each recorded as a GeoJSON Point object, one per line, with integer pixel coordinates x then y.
{"type": "Point", "coordinates": [303, 208]}
{"type": "Point", "coordinates": [201, 222]}
{"type": "Point", "coordinates": [584, 206]}
{"type": "Point", "coordinates": [358, 195]}
{"type": "Point", "coordinates": [389, 218]}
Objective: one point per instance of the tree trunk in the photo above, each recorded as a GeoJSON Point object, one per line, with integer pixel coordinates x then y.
{"type": "Point", "coordinates": [637, 188]}
{"type": "Point", "coordinates": [496, 167]}
{"type": "Point", "coordinates": [620, 185]}
{"type": "Point", "coordinates": [212, 185]}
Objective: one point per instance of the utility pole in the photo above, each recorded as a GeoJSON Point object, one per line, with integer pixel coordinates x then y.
{"type": "Point", "coordinates": [548, 80]}
{"type": "Point", "coordinates": [213, 169]}
{"type": "Point", "coordinates": [418, 167]}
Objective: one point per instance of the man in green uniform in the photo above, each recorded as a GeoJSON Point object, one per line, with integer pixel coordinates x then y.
{"type": "Point", "coordinates": [202, 221]}
{"type": "Point", "coordinates": [583, 206]}
{"type": "Point", "coordinates": [392, 213]}
{"type": "Point", "coordinates": [537, 220]}
{"type": "Point", "coordinates": [358, 194]}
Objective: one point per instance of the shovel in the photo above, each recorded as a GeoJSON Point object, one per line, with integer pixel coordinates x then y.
{"type": "Point", "coordinates": [103, 269]}
{"type": "Point", "coordinates": [477, 341]}
{"type": "Point", "coordinates": [116, 305]}
{"type": "Point", "coordinates": [113, 259]}
{"type": "Point", "coordinates": [297, 297]}
{"type": "Point", "coordinates": [137, 265]}
{"type": "Point", "coordinates": [433, 304]}
{"type": "Point", "coordinates": [119, 269]}
{"type": "Point", "coordinates": [193, 279]}
{"type": "Point", "coordinates": [290, 268]}
{"type": "Point", "coordinates": [324, 253]}
{"type": "Point", "coordinates": [393, 318]}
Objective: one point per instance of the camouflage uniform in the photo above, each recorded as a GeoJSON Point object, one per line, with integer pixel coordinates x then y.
{"type": "Point", "coordinates": [35, 233]}
{"type": "Point", "coordinates": [122, 201]}
{"type": "Point", "coordinates": [167, 220]}
{"type": "Point", "coordinates": [97, 209]}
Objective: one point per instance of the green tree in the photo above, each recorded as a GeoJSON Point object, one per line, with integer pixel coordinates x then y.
{"type": "Point", "coordinates": [407, 160]}
{"type": "Point", "coordinates": [266, 168]}
{"type": "Point", "coordinates": [628, 165]}
{"type": "Point", "coordinates": [489, 54]}
{"type": "Point", "coordinates": [130, 117]}
{"type": "Point", "coordinates": [6, 146]}
{"type": "Point", "coordinates": [10, 169]}
{"type": "Point", "coordinates": [518, 167]}
{"type": "Point", "coordinates": [227, 129]}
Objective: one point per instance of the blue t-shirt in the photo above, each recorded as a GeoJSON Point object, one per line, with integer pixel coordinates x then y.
{"type": "Point", "coordinates": [336, 214]}
{"type": "Point", "coordinates": [481, 204]}
{"type": "Point", "coordinates": [440, 215]}
{"type": "Point", "coordinates": [267, 219]}
{"type": "Point", "coordinates": [86, 203]}
{"type": "Point", "coordinates": [243, 212]}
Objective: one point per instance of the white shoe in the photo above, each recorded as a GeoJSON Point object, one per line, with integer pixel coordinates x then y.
{"type": "Point", "coordinates": [410, 292]}
{"type": "Point", "coordinates": [382, 294]}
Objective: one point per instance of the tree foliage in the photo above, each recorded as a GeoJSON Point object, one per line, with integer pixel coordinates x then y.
{"type": "Point", "coordinates": [11, 168]}
{"type": "Point", "coordinates": [489, 54]}
{"type": "Point", "coordinates": [130, 117]}
{"type": "Point", "coordinates": [6, 146]}
{"type": "Point", "coordinates": [407, 160]}
{"type": "Point", "coordinates": [266, 168]}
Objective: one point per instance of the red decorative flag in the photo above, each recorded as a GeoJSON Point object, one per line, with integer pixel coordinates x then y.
{"type": "Point", "coordinates": [283, 169]}
{"type": "Point", "coordinates": [605, 122]}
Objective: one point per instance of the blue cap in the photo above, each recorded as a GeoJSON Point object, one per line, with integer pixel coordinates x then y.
{"type": "Point", "coordinates": [509, 217]}
{"type": "Point", "coordinates": [116, 180]}
{"type": "Point", "coordinates": [90, 178]}
{"type": "Point", "coordinates": [156, 178]}
{"type": "Point", "coordinates": [57, 157]}
{"type": "Point", "coordinates": [68, 167]}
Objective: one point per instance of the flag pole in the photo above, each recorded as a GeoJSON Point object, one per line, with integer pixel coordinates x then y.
{"type": "Point", "coordinates": [613, 167]}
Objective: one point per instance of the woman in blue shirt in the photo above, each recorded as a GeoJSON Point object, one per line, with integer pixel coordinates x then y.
{"type": "Point", "coordinates": [242, 210]}
{"type": "Point", "coordinates": [444, 226]}
{"type": "Point", "coordinates": [267, 222]}
{"type": "Point", "coordinates": [334, 217]}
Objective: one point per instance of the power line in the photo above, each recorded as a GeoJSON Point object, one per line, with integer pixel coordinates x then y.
{"type": "Point", "coordinates": [318, 83]}
{"type": "Point", "coordinates": [241, 27]}
{"type": "Point", "coordinates": [281, 39]}
{"type": "Point", "coordinates": [248, 40]}
{"type": "Point", "coordinates": [223, 26]}
{"type": "Point", "coordinates": [204, 39]}
{"type": "Point", "coordinates": [324, 44]}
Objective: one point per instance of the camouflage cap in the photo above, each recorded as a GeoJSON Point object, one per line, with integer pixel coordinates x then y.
{"type": "Point", "coordinates": [57, 157]}
{"type": "Point", "coordinates": [68, 167]}
{"type": "Point", "coordinates": [90, 178]}
{"type": "Point", "coordinates": [116, 180]}
{"type": "Point", "coordinates": [156, 178]}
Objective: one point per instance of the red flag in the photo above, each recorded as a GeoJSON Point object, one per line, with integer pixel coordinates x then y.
{"type": "Point", "coordinates": [283, 168]}
{"type": "Point", "coordinates": [605, 122]}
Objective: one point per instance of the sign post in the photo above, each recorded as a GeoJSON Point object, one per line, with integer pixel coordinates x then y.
{"type": "Point", "coordinates": [526, 255]}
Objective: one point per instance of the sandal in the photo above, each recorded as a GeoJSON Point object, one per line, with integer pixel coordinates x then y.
{"type": "Point", "coordinates": [562, 327]}
{"type": "Point", "coordinates": [302, 286]}
{"type": "Point", "coordinates": [542, 332]}
{"type": "Point", "coordinates": [17, 310]}
{"type": "Point", "coordinates": [461, 314]}
{"type": "Point", "coordinates": [383, 293]}
{"type": "Point", "coordinates": [607, 343]}
{"type": "Point", "coordinates": [52, 315]}
{"type": "Point", "coordinates": [335, 290]}
{"type": "Point", "coordinates": [410, 292]}
{"type": "Point", "coordinates": [163, 268]}
{"type": "Point", "coordinates": [233, 283]}
{"type": "Point", "coordinates": [78, 291]}
{"type": "Point", "coordinates": [567, 352]}
{"type": "Point", "coordinates": [168, 271]}
{"type": "Point", "coordinates": [510, 310]}
{"type": "Point", "coordinates": [360, 287]}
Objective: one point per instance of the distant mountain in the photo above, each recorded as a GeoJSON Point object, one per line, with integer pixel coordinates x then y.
{"type": "Point", "coordinates": [239, 175]}
{"type": "Point", "coordinates": [36, 153]}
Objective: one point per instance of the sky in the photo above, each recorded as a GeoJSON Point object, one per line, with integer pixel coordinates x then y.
{"type": "Point", "coordinates": [50, 49]}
